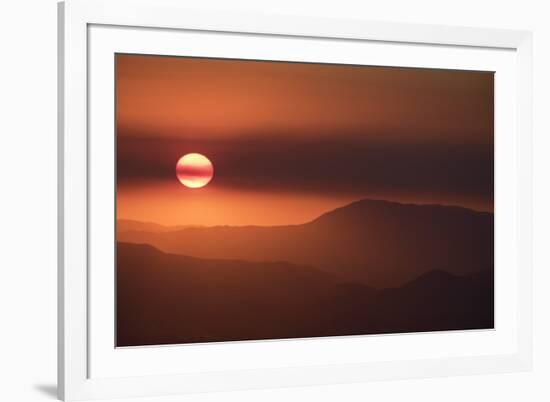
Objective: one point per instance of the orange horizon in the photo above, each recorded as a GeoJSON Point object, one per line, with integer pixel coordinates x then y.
{"type": "Point", "coordinates": [278, 210]}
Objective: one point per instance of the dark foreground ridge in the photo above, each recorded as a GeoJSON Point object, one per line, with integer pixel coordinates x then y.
{"type": "Point", "coordinates": [171, 299]}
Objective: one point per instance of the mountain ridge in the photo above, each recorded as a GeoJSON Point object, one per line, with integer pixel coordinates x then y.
{"type": "Point", "coordinates": [378, 243]}
{"type": "Point", "coordinates": [170, 299]}
{"type": "Point", "coordinates": [351, 204]}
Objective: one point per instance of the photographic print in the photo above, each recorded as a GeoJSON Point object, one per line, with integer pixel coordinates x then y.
{"type": "Point", "coordinates": [272, 200]}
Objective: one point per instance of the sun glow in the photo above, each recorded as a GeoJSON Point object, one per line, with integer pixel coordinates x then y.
{"type": "Point", "coordinates": [194, 170]}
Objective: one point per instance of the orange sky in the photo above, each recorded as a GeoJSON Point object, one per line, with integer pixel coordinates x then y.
{"type": "Point", "coordinates": [291, 140]}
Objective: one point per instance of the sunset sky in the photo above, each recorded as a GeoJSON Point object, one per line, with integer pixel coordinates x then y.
{"type": "Point", "coordinates": [290, 141]}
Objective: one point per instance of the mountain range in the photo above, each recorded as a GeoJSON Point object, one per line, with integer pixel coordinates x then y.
{"type": "Point", "coordinates": [169, 299]}
{"type": "Point", "coordinates": [376, 243]}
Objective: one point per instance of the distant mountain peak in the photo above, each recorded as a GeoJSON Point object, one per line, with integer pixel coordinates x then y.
{"type": "Point", "coordinates": [369, 205]}
{"type": "Point", "coordinates": [435, 279]}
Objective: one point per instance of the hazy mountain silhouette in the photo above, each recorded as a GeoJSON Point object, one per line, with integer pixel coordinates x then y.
{"type": "Point", "coordinates": [165, 299]}
{"type": "Point", "coordinates": [128, 225]}
{"type": "Point", "coordinates": [379, 243]}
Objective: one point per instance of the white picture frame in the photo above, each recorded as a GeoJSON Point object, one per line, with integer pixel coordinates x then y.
{"type": "Point", "coordinates": [76, 347]}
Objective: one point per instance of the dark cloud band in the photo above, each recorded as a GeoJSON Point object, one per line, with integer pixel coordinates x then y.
{"type": "Point", "coordinates": [346, 164]}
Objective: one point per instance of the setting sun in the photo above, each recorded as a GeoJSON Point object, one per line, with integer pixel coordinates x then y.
{"type": "Point", "coordinates": [194, 170]}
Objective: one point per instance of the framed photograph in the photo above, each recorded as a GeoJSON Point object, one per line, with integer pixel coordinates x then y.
{"type": "Point", "coordinates": [251, 201]}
